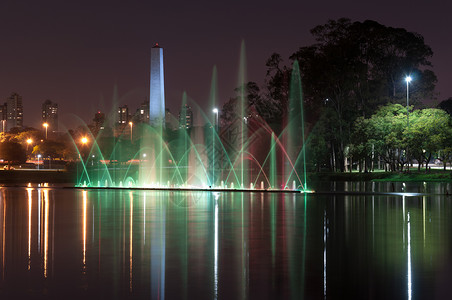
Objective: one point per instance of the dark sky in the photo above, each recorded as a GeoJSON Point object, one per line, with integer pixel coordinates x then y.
{"type": "Point", "coordinates": [76, 53]}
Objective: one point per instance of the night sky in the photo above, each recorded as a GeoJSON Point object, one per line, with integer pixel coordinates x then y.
{"type": "Point", "coordinates": [76, 53]}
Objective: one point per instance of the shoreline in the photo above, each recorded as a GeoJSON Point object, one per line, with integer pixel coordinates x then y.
{"type": "Point", "coordinates": [434, 175]}
{"type": "Point", "coordinates": [61, 176]}
{"type": "Point", "coordinates": [37, 176]}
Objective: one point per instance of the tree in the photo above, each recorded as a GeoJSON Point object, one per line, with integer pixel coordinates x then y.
{"type": "Point", "coordinates": [253, 101]}
{"type": "Point", "coordinates": [12, 152]}
{"type": "Point", "coordinates": [428, 132]}
{"type": "Point", "coordinates": [388, 134]}
{"type": "Point", "coordinates": [276, 97]}
{"type": "Point", "coordinates": [446, 105]}
{"type": "Point", "coordinates": [383, 135]}
{"type": "Point", "coordinates": [355, 67]}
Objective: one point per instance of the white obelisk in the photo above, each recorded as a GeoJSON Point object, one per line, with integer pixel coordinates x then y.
{"type": "Point", "coordinates": [157, 88]}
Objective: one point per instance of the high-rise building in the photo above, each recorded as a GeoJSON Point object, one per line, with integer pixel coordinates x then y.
{"type": "Point", "coordinates": [142, 114]}
{"type": "Point", "coordinates": [50, 115]}
{"type": "Point", "coordinates": [157, 88]}
{"type": "Point", "coordinates": [123, 115]}
{"type": "Point", "coordinates": [186, 117]}
{"type": "Point", "coordinates": [4, 117]}
{"type": "Point", "coordinates": [99, 122]}
{"type": "Point", "coordinates": [14, 111]}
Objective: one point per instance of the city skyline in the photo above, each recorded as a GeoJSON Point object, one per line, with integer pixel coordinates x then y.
{"type": "Point", "coordinates": [97, 57]}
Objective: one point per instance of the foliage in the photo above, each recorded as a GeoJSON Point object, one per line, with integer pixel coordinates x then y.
{"type": "Point", "coordinates": [253, 101]}
{"type": "Point", "coordinates": [50, 149]}
{"type": "Point", "coordinates": [389, 134]}
{"type": "Point", "coordinates": [446, 105]}
{"type": "Point", "coordinates": [12, 152]}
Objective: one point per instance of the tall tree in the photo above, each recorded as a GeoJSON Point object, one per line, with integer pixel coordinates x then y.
{"type": "Point", "coordinates": [354, 67]}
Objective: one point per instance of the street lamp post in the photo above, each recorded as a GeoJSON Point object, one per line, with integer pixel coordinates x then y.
{"type": "Point", "coordinates": [131, 131]}
{"type": "Point", "coordinates": [39, 156]}
{"type": "Point", "coordinates": [46, 125]}
{"type": "Point", "coordinates": [408, 80]}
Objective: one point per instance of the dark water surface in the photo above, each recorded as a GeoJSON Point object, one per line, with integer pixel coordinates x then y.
{"type": "Point", "coordinates": [73, 244]}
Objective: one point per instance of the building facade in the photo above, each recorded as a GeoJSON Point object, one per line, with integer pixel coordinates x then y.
{"type": "Point", "coordinates": [14, 112]}
{"type": "Point", "coordinates": [50, 115]}
{"type": "Point", "coordinates": [123, 115]}
{"type": "Point", "coordinates": [4, 117]}
{"type": "Point", "coordinates": [186, 117]}
{"type": "Point", "coordinates": [142, 114]}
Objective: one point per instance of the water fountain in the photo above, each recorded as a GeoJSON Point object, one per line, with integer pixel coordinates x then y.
{"type": "Point", "coordinates": [245, 155]}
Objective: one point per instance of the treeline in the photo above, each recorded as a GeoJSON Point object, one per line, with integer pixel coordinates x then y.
{"type": "Point", "coordinates": [349, 75]}
{"type": "Point", "coordinates": [393, 137]}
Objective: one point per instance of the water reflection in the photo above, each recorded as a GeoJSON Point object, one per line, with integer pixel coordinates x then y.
{"type": "Point", "coordinates": [409, 257]}
{"type": "Point", "coordinates": [174, 245]}
{"type": "Point", "coordinates": [85, 200]}
{"type": "Point", "coordinates": [131, 241]}
{"type": "Point", "coordinates": [217, 196]}
{"type": "Point", "coordinates": [30, 203]}
{"type": "Point", "coordinates": [45, 193]}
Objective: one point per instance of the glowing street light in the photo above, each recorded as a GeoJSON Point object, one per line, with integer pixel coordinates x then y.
{"type": "Point", "coordinates": [29, 142]}
{"type": "Point", "coordinates": [131, 131]}
{"type": "Point", "coordinates": [215, 111]}
{"type": "Point", "coordinates": [46, 125]}
{"type": "Point", "coordinates": [84, 141]}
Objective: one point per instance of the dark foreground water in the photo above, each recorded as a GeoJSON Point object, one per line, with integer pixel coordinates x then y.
{"type": "Point", "coordinates": [74, 244]}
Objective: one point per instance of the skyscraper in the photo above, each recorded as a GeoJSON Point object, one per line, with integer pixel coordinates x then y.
{"type": "Point", "coordinates": [157, 88]}
{"type": "Point", "coordinates": [123, 115]}
{"type": "Point", "coordinates": [50, 115]}
{"type": "Point", "coordinates": [142, 114]}
{"type": "Point", "coordinates": [4, 117]}
{"type": "Point", "coordinates": [186, 117]}
{"type": "Point", "coordinates": [98, 124]}
{"type": "Point", "coordinates": [14, 111]}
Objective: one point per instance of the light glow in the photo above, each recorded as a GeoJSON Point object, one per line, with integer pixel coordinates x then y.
{"type": "Point", "coordinates": [216, 247]}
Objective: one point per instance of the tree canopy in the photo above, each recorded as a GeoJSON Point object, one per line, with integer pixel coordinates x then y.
{"type": "Point", "coordinates": [12, 152]}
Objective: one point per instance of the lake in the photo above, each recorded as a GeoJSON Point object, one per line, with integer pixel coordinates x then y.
{"type": "Point", "coordinates": [348, 240]}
